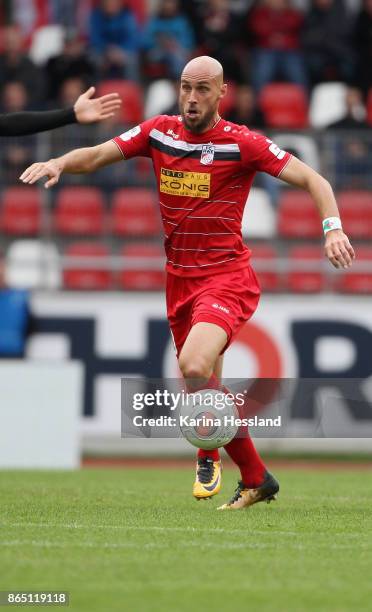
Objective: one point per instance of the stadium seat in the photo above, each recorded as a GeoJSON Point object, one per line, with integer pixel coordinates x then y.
{"type": "Point", "coordinates": [131, 95]}
{"type": "Point", "coordinates": [93, 273]}
{"type": "Point", "coordinates": [228, 101]}
{"type": "Point", "coordinates": [21, 211]}
{"type": "Point", "coordinates": [356, 212]}
{"type": "Point", "coordinates": [327, 104]}
{"type": "Point", "coordinates": [79, 211]}
{"type": "Point", "coordinates": [264, 260]}
{"type": "Point", "coordinates": [369, 107]}
{"type": "Point", "coordinates": [134, 212]}
{"type": "Point", "coordinates": [284, 105]}
{"type": "Point", "coordinates": [304, 147]}
{"type": "Point", "coordinates": [32, 264]}
{"type": "Point", "coordinates": [298, 216]}
{"type": "Point", "coordinates": [259, 216]}
{"type": "Point", "coordinates": [305, 273]}
{"type": "Point", "coordinates": [47, 42]}
{"type": "Point", "coordinates": [143, 276]}
{"type": "Point", "coordinates": [161, 95]}
{"type": "Point", "coordinates": [358, 278]}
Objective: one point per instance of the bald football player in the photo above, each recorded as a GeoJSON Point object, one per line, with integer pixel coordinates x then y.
{"type": "Point", "coordinates": [204, 168]}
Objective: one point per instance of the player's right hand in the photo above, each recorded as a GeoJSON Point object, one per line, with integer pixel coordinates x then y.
{"type": "Point", "coordinates": [52, 169]}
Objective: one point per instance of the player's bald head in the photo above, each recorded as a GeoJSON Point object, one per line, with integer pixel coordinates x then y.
{"type": "Point", "coordinates": [203, 68]}
{"type": "Point", "coordinates": [201, 90]}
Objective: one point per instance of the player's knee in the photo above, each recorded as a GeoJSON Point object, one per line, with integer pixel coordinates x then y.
{"type": "Point", "coordinates": [195, 368]}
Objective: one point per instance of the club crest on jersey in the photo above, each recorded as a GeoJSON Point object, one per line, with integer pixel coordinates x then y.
{"type": "Point", "coordinates": [207, 155]}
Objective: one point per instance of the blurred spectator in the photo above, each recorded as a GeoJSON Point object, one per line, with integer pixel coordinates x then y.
{"type": "Point", "coordinates": [73, 62]}
{"type": "Point", "coordinates": [29, 15]}
{"type": "Point", "coordinates": [355, 116]}
{"type": "Point", "coordinates": [115, 39]}
{"type": "Point", "coordinates": [276, 28]}
{"type": "Point", "coordinates": [16, 153]}
{"type": "Point", "coordinates": [70, 14]}
{"type": "Point", "coordinates": [5, 12]}
{"type": "Point", "coordinates": [245, 110]}
{"type": "Point", "coordinates": [363, 46]}
{"type": "Point", "coordinates": [351, 148]}
{"type": "Point", "coordinates": [220, 35]}
{"type": "Point", "coordinates": [75, 135]}
{"type": "Point", "coordinates": [327, 41]}
{"type": "Point", "coordinates": [15, 65]}
{"type": "Point", "coordinates": [168, 38]}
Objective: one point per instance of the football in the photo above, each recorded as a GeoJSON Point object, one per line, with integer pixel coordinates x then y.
{"type": "Point", "coordinates": [208, 419]}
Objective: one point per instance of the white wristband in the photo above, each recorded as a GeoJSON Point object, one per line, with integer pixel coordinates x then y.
{"type": "Point", "coordinates": [331, 223]}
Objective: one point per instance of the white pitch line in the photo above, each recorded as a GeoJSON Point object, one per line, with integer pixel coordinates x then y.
{"type": "Point", "coordinates": [180, 543]}
{"type": "Point", "coordinates": [215, 530]}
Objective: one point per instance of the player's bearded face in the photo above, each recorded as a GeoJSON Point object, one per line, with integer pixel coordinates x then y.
{"type": "Point", "coordinates": [198, 103]}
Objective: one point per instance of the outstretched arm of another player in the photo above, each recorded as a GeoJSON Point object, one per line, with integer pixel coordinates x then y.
{"type": "Point", "coordinates": [88, 109]}
{"type": "Point", "coordinates": [337, 245]}
{"type": "Point", "coordinates": [78, 161]}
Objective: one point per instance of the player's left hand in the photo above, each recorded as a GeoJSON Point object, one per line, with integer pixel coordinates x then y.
{"type": "Point", "coordinates": [88, 109]}
{"type": "Point", "coordinates": [338, 249]}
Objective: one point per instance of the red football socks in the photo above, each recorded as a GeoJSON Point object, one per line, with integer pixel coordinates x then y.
{"type": "Point", "coordinates": [212, 454]}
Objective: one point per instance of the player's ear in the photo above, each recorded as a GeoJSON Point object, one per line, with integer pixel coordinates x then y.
{"type": "Point", "coordinates": [223, 90]}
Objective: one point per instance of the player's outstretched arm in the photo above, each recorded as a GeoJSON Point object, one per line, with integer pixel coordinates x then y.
{"type": "Point", "coordinates": [86, 110]}
{"type": "Point", "coordinates": [337, 245]}
{"type": "Point", "coordinates": [78, 161]}
{"type": "Point", "coordinates": [89, 110]}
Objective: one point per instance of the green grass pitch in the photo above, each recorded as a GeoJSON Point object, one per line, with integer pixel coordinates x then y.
{"type": "Point", "coordinates": [135, 540]}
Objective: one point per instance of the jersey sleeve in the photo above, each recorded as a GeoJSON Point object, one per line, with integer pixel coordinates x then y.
{"type": "Point", "coordinates": [262, 154]}
{"type": "Point", "coordinates": [135, 142]}
{"type": "Point", "coordinates": [27, 122]}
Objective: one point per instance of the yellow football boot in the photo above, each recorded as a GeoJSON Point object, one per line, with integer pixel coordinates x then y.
{"type": "Point", "coordinates": [208, 478]}
{"type": "Point", "coordinates": [245, 496]}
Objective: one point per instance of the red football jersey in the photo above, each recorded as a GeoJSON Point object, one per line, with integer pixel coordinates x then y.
{"type": "Point", "coordinates": [203, 183]}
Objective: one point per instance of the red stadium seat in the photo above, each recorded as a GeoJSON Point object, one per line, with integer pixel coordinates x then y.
{"type": "Point", "coordinates": [21, 211]}
{"type": "Point", "coordinates": [298, 216]}
{"type": "Point", "coordinates": [354, 280]}
{"type": "Point", "coordinates": [143, 277]}
{"type": "Point", "coordinates": [309, 277]}
{"type": "Point", "coordinates": [228, 101]}
{"type": "Point", "coordinates": [264, 257]}
{"type": "Point", "coordinates": [88, 277]}
{"type": "Point", "coordinates": [369, 107]}
{"type": "Point", "coordinates": [132, 98]}
{"type": "Point", "coordinates": [356, 212]}
{"type": "Point", "coordinates": [79, 211]}
{"type": "Point", "coordinates": [284, 105]}
{"type": "Point", "coordinates": [134, 212]}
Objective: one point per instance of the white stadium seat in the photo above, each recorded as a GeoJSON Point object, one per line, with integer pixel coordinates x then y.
{"type": "Point", "coordinates": [327, 104]}
{"type": "Point", "coordinates": [303, 147]}
{"type": "Point", "coordinates": [46, 42]}
{"type": "Point", "coordinates": [259, 219]}
{"type": "Point", "coordinates": [160, 95]}
{"type": "Point", "coordinates": [32, 264]}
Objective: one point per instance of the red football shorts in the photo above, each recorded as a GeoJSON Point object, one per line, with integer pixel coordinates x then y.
{"type": "Point", "coordinates": [228, 300]}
